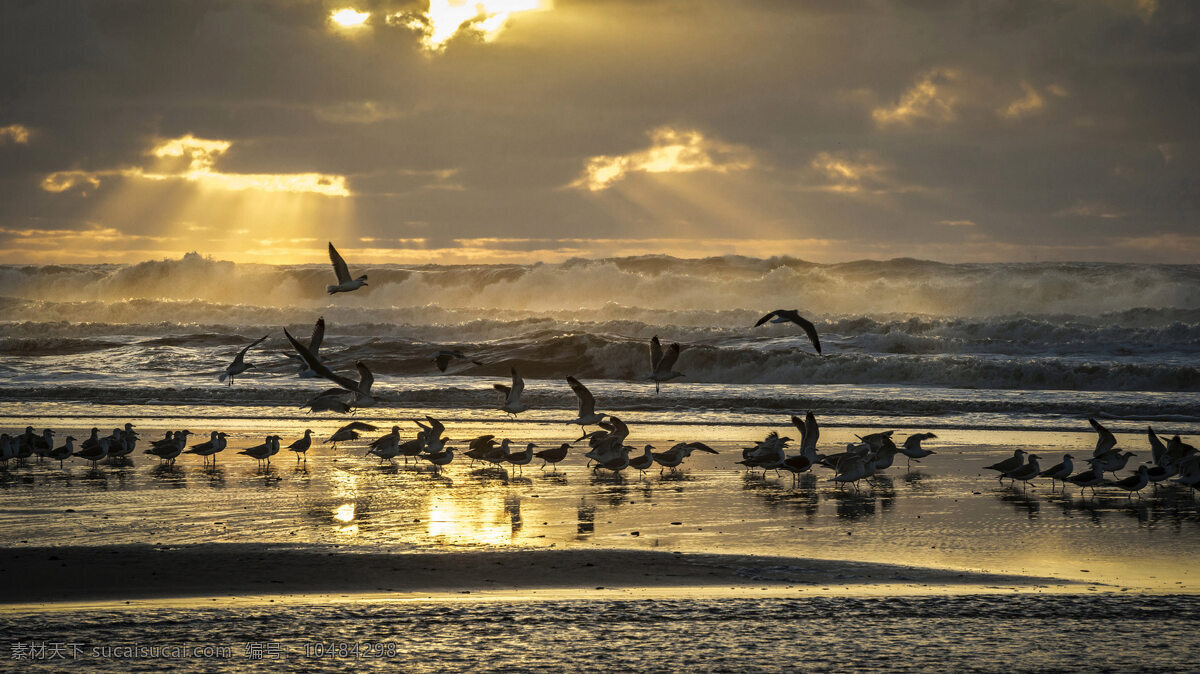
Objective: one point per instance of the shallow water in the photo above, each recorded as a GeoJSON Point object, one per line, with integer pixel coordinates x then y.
{"type": "Point", "coordinates": [943, 512]}
{"type": "Point", "coordinates": [1084, 633]}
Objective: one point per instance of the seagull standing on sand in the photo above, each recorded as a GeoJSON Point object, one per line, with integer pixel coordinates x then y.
{"type": "Point", "coordinates": [64, 452]}
{"type": "Point", "coordinates": [793, 316]}
{"type": "Point", "coordinates": [300, 447]}
{"type": "Point", "coordinates": [587, 405]}
{"type": "Point", "coordinates": [345, 284]}
{"type": "Point", "coordinates": [553, 456]}
{"type": "Point", "coordinates": [239, 364]}
{"type": "Point", "coordinates": [661, 362]}
{"type": "Point", "coordinates": [1008, 465]}
{"type": "Point", "coordinates": [1060, 471]}
{"type": "Point", "coordinates": [512, 394]}
{"type": "Point", "coordinates": [1135, 483]}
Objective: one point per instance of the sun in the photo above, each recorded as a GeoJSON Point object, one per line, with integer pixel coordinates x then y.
{"type": "Point", "coordinates": [349, 18]}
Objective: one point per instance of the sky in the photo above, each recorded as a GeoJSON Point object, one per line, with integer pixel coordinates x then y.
{"type": "Point", "coordinates": [526, 130]}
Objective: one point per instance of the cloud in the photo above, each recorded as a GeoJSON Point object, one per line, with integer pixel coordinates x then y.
{"type": "Point", "coordinates": [671, 151]}
{"type": "Point", "coordinates": [194, 160]}
{"type": "Point", "coordinates": [1089, 209]}
{"type": "Point", "coordinates": [15, 134]}
{"type": "Point", "coordinates": [930, 99]}
{"type": "Point", "coordinates": [445, 20]}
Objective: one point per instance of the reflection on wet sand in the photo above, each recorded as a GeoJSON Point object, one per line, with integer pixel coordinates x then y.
{"type": "Point", "coordinates": [941, 514]}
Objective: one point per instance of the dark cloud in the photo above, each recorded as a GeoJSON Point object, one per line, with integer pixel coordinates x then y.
{"type": "Point", "coordinates": [1037, 122]}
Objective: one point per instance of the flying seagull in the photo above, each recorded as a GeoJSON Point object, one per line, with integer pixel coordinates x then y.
{"type": "Point", "coordinates": [314, 345]}
{"type": "Point", "coordinates": [512, 394]}
{"type": "Point", "coordinates": [360, 389]}
{"type": "Point", "coordinates": [587, 405]}
{"type": "Point", "coordinates": [239, 364]}
{"type": "Point", "coordinates": [345, 284]}
{"type": "Point", "coordinates": [442, 358]}
{"type": "Point", "coordinates": [661, 362]}
{"type": "Point", "coordinates": [793, 316]}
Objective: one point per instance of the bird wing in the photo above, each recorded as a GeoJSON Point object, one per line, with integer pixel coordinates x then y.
{"type": "Point", "coordinates": [1106, 440]}
{"type": "Point", "coordinates": [339, 265]}
{"type": "Point", "coordinates": [357, 426]}
{"type": "Point", "coordinates": [799, 424]}
{"type": "Point", "coordinates": [700, 446]}
{"type": "Point", "coordinates": [317, 366]}
{"type": "Point", "coordinates": [1157, 448]}
{"type": "Point", "coordinates": [587, 402]}
{"type": "Point", "coordinates": [242, 354]}
{"type": "Point", "coordinates": [668, 360]}
{"type": "Point", "coordinates": [518, 385]}
{"type": "Point", "coordinates": [656, 353]}
{"type": "Point", "coordinates": [502, 388]}
{"type": "Point", "coordinates": [318, 335]}
{"type": "Point", "coordinates": [809, 329]}
{"type": "Point", "coordinates": [436, 427]}
{"type": "Point", "coordinates": [814, 431]}
{"type": "Point", "coordinates": [365, 378]}
{"type": "Point", "coordinates": [766, 318]}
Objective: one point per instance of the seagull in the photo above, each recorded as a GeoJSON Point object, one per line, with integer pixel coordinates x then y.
{"type": "Point", "coordinates": [793, 316]}
{"type": "Point", "coordinates": [553, 456]}
{"type": "Point", "coordinates": [522, 458]}
{"type": "Point", "coordinates": [912, 447]}
{"type": "Point", "coordinates": [349, 432]}
{"type": "Point", "coordinates": [64, 452]}
{"type": "Point", "coordinates": [360, 389]}
{"type": "Point", "coordinates": [1105, 442]}
{"type": "Point", "coordinates": [95, 453]}
{"type": "Point", "coordinates": [345, 284]}
{"type": "Point", "coordinates": [440, 459]}
{"type": "Point", "coordinates": [641, 463]}
{"type": "Point", "coordinates": [587, 405]}
{"type": "Point", "coordinates": [1134, 483]}
{"type": "Point", "coordinates": [386, 447]}
{"type": "Point", "coordinates": [329, 400]}
{"type": "Point", "coordinates": [512, 394]}
{"type": "Point", "coordinates": [1009, 464]}
{"type": "Point", "coordinates": [1026, 472]}
{"type": "Point", "coordinates": [261, 452]}
{"type": "Point", "coordinates": [215, 444]}
{"type": "Point", "coordinates": [300, 447]}
{"type": "Point", "coordinates": [1088, 478]}
{"type": "Point", "coordinates": [442, 358]}
{"type": "Point", "coordinates": [1060, 471]}
{"type": "Point", "coordinates": [314, 347]}
{"type": "Point", "coordinates": [661, 362]}
{"type": "Point", "coordinates": [239, 364]}
{"type": "Point", "coordinates": [1111, 461]}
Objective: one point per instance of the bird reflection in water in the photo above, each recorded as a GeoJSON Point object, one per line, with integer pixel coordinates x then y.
{"type": "Point", "coordinates": [585, 515]}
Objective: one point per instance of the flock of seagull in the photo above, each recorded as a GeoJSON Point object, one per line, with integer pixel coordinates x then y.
{"type": "Point", "coordinates": [1171, 459]}
{"type": "Point", "coordinates": [607, 447]}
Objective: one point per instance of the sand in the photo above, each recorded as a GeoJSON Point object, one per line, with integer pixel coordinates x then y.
{"type": "Point", "coordinates": [32, 575]}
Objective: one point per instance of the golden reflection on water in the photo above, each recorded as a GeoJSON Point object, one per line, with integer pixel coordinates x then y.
{"type": "Point", "coordinates": [483, 521]}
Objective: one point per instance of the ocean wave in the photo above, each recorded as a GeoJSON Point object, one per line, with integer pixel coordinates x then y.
{"type": "Point", "coordinates": [656, 283]}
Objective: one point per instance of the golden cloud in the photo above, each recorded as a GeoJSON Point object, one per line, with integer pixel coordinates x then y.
{"type": "Point", "coordinates": [930, 99]}
{"type": "Point", "coordinates": [194, 160]}
{"type": "Point", "coordinates": [15, 134]}
{"type": "Point", "coordinates": [671, 151]}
